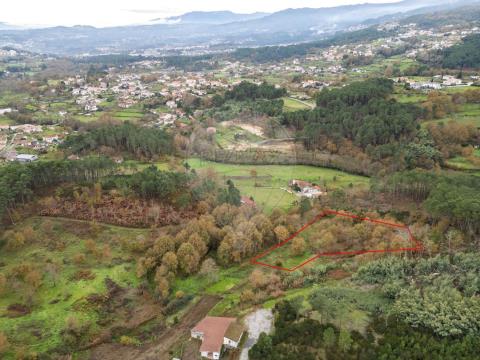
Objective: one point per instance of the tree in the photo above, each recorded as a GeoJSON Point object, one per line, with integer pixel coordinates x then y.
{"type": "Point", "coordinates": [4, 344]}
{"type": "Point", "coordinates": [16, 241]}
{"type": "Point", "coordinates": [209, 269]}
{"type": "Point", "coordinates": [231, 195]}
{"type": "Point", "coordinates": [305, 205]}
{"type": "Point", "coordinates": [79, 259]}
{"type": "Point", "coordinates": [170, 261]}
{"type": "Point", "coordinates": [298, 246]}
{"type": "Point", "coordinates": [247, 296]}
{"type": "Point", "coordinates": [257, 279]}
{"type": "Point", "coordinates": [263, 348]}
{"type": "Point", "coordinates": [344, 340]}
{"type": "Point", "coordinates": [162, 284]}
{"type": "Point", "coordinates": [281, 233]}
{"type": "Point", "coordinates": [329, 337]}
{"type": "Point", "coordinates": [3, 283]}
{"type": "Point", "coordinates": [90, 246]}
{"type": "Point", "coordinates": [198, 243]}
{"type": "Point", "coordinates": [188, 258]}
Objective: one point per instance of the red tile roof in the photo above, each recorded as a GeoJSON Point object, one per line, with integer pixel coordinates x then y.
{"type": "Point", "coordinates": [213, 329]}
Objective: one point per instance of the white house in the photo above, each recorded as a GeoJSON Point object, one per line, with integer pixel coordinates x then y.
{"type": "Point", "coordinates": [26, 158]}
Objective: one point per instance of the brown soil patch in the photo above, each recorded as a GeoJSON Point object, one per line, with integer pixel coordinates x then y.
{"type": "Point", "coordinates": [17, 310]}
{"type": "Point", "coordinates": [338, 274]}
{"type": "Point", "coordinates": [83, 275]}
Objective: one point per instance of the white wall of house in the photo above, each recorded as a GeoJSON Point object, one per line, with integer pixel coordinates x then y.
{"type": "Point", "coordinates": [197, 335]}
{"type": "Point", "coordinates": [209, 355]}
{"type": "Point", "coordinates": [229, 342]}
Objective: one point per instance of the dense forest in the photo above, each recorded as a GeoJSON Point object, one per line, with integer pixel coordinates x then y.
{"type": "Point", "coordinates": [138, 141]}
{"type": "Point", "coordinates": [361, 113]}
{"type": "Point", "coordinates": [445, 196]}
{"type": "Point", "coordinates": [464, 55]}
{"type": "Point", "coordinates": [250, 91]}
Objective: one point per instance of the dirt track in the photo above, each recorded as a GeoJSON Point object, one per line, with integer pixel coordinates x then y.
{"type": "Point", "coordinates": [158, 350]}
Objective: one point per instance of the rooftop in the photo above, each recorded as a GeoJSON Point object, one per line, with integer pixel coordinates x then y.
{"type": "Point", "coordinates": [213, 329]}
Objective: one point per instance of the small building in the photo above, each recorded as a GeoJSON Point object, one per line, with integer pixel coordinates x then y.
{"type": "Point", "coordinates": [26, 158]}
{"type": "Point", "coordinates": [245, 200]}
{"type": "Point", "coordinates": [217, 334]}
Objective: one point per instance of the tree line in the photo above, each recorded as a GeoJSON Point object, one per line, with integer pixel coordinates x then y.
{"type": "Point", "coordinates": [250, 91]}
{"type": "Point", "coordinates": [19, 182]}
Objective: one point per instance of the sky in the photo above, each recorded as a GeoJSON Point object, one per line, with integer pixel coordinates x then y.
{"type": "Point", "coordinates": [102, 13]}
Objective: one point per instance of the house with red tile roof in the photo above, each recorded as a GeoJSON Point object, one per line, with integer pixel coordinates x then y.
{"type": "Point", "coordinates": [216, 333]}
{"type": "Point", "coordinates": [245, 200]}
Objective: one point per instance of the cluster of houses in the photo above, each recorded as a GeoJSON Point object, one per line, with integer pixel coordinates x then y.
{"type": "Point", "coordinates": [27, 136]}
{"type": "Point", "coordinates": [438, 82]}
{"type": "Point", "coordinates": [306, 189]}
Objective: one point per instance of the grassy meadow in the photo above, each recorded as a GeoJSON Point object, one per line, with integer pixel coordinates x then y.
{"type": "Point", "coordinates": [267, 188]}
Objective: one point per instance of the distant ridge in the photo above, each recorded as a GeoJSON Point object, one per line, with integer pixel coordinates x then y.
{"type": "Point", "coordinates": [211, 17]}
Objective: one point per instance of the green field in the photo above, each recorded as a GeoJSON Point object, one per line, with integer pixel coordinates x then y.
{"type": "Point", "coordinates": [60, 296]}
{"type": "Point", "coordinates": [291, 104]}
{"type": "Point", "coordinates": [231, 135]}
{"type": "Point", "coordinates": [266, 189]}
{"type": "Point", "coordinates": [468, 114]}
{"type": "Point", "coordinates": [464, 163]}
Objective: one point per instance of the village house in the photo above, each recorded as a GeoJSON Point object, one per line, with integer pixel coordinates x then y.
{"type": "Point", "coordinates": [217, 334]}
{"type": "Point", "coordinates": [26, 158]}
{"type": "Point", "coordinates": [245, 200]}
{"type": "Point", "coordinates": [5, 111]}
{"type": "Point", "coordinates": [306, 189]}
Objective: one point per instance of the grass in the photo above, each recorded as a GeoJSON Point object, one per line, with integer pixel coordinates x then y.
{"type": "Point", "coordinates": [55, 301]}
{"type": "Point", "coordinates": [468, 114]}
{"type": "Point", "coordinates": [266, 190]}
{"type": "Point", "coordinates": [226, 136]}
{"type": "Point", "coordinates": [291, 104]}
{"type": "Point", "coordinates": [464, 163]}
{"type": "Point", "coordinates": [6, 121]}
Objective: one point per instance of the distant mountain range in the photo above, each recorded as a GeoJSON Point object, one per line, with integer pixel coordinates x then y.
{"type": "Point", "coordinates": [210, 17]}
{"type": "Point", "coordinates": [219, 29]}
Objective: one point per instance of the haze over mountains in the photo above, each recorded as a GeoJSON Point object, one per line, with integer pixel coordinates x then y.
{"type": "Point", "coordinates": [210, 17]}
{"type": "Point", "coordinates": [219, 29]}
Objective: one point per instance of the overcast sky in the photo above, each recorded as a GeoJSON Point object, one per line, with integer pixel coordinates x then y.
{"type": "Point", "coordinates": [125, 12]}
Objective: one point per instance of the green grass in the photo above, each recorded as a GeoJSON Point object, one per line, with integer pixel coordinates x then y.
{"type": "Point", "coordinates": [55, 301]}
{"type": "Point", "coordinates": [464, 163]}
{"type": "Point", "coordinates": [410, 98]}
{"type": "Point", "coordinates": [267, 192]}
{"type": "Point", "coordinates": [225, 136]}
{"type": "Point", "coordinates": [6, 121]}
{"type": "Point", "coordinates": [291, 104]}
{"type": "Point", "coordinates": [468, 114]}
